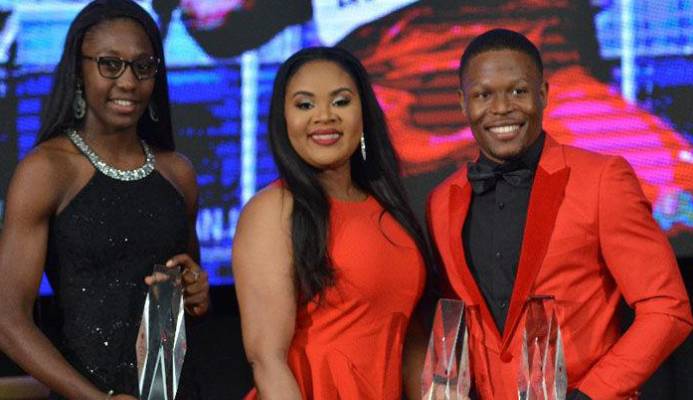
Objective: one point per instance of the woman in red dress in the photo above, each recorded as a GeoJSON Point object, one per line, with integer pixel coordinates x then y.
{"type": "Point", "coordinates": [330, 263]}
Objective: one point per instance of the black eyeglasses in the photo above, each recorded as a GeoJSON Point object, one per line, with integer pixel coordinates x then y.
{"type": "Point", "coordinates": [112, 67]}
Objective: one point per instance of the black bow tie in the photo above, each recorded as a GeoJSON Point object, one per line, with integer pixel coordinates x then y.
{"type": "Point", "coordinates": [484, 177]}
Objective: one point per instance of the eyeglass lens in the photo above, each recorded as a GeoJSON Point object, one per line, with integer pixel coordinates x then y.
{"type": "Point", "coordinates": [113, 67]}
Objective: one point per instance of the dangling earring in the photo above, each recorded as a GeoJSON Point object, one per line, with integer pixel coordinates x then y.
{"type": "Point", "coordinates": [79, 106]}
{"type": "Point", "coordinates": [363, 146]}
{"type": "Point", "coordinates": [152, 112]}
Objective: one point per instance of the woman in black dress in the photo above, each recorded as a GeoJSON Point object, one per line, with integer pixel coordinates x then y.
{"type": "Point", "coordinates": [100, 200]}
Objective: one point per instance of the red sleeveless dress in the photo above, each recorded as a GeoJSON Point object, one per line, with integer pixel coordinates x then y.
{"type": "Point", "coordinates": [350, 346]}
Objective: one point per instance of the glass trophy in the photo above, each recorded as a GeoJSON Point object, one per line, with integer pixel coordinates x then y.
{"type": "Point", "coordinates": [542, 373]}
{"type": "Point", "coordinates": [161, 342]}
{"type": "Point", "coordinates": [446, 369]}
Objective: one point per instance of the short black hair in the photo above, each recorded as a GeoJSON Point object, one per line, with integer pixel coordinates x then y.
{"type": "Point", "coordinates": [500, 39]}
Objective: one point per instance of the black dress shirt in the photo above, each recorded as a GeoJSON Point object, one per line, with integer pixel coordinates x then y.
{"type": "Point", "coordinates": [492, 233]}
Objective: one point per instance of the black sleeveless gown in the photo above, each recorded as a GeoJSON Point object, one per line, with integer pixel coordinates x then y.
{"type": "Point", "coordinates": [100, 248]}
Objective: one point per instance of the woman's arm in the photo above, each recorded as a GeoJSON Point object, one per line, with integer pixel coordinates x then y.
{"type": "Point", "coordinates": [34, 193]}
{"type": "Point", "coordinates": [263, 271]}
{"type": "Point", "coordinates": [180, 172]}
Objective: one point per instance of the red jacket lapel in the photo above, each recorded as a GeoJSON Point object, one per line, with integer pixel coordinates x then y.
{"type": "Point", "coordinates": [545, 200]}
{"type": "Point", "coordinates": [460, 198]}
{"type": "Point", "coordinates": [459, 275]}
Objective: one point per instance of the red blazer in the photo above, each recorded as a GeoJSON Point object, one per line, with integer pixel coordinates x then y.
{"type": "Point", "coordinates": [589, 240]}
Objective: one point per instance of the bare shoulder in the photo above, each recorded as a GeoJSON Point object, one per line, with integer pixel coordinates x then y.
{"type": "Point", "coordinates": [53, 155]}
{"type": "Point", "coordinates": [273, 203]}
{"type": "Point", "coordinates": [262, 243]}
{"type": "Point", "coordinates": [178, 170]}
{"type": "Point", "coordinates": [265, 218]}
{"type": "Point", "coordinates": [44, 176]}
{"type": "Point", "coordinates": [175, 163]}
{"type": "Point", "coordinates": [51, 164]}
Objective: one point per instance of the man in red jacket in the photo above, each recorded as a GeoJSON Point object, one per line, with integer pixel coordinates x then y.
{"type": "Point", "coordinates": [533, 217]}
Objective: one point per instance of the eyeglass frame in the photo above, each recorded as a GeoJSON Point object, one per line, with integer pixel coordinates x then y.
{"type": "Point", "coordinates": [126, 64]}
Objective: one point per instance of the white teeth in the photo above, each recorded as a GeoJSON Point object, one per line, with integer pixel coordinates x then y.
{"type": "Point", "coordinates": [123, 102]}
{"type": "Point", "coordinates": [327, 136]}
{"type": "Point", "coordinates": [504, 129]}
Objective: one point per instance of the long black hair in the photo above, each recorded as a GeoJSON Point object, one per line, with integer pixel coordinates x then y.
{"type": "Point", "coordinates": [378, 175]}
{"type": "Point", "coordinates": [57, 115]}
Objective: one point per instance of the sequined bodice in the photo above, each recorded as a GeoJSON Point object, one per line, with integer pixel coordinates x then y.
{"type": "Point", "coordinates": [100, 248]}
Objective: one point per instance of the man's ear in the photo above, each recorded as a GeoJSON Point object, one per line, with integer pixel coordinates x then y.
{"type": "Point", "coordinates": [544, 93]}
{"type": "Point", "coordinates": [462, 102]}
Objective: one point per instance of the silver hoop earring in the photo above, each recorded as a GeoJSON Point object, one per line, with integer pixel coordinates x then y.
{"type": "Point", "coordinates": [79, 106]}
{"type": "Point", "coordinates": [152, 112]}
{"type": "Point", "coordinates": [363, 146]}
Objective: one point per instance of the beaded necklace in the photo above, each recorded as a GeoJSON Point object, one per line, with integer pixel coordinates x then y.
{"type": "Point", "coordinates": [115, 173]}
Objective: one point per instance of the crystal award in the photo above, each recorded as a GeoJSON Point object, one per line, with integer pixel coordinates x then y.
{"type": "Point", "coordinates": [542, 374]}
{"type": "Point", "coordinates": [161, 342]}
{"type": "Point", "coordinates": [446, 369]}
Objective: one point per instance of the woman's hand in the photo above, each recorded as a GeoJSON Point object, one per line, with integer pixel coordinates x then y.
{"type": "Point", "coordinates": [195, 284]}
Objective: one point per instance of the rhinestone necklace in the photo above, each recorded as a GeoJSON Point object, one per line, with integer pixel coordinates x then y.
{"type": "Point", "coordinates": [101, 165]}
